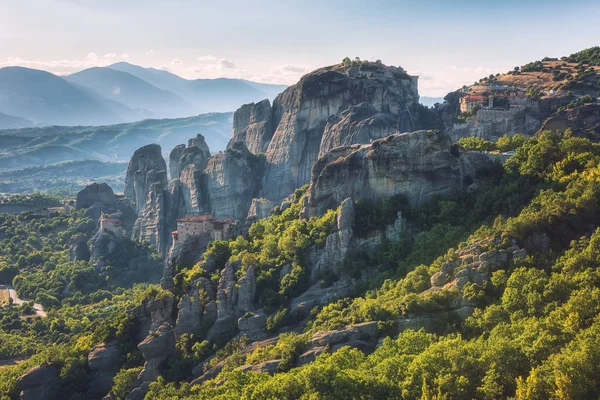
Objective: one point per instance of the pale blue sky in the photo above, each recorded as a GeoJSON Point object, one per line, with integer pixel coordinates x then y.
{"type": "Point", "coordinates": [447, 42]}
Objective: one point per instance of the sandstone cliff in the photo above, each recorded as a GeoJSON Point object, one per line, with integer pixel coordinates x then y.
{"type": "Point", "coordinates": [416, 165]}
{"type": "Point", "coordinates": [253, 125]}
{"type": "Point", "coordinates": [232, 180]}
{"type": "Point", "coordinates": [341, 104]}
{"type": "Point", "coordinates": [146, 167]}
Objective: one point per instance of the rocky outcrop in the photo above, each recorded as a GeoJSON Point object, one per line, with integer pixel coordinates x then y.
{"type": "Point", "coordinates": [199, 142]}
{"type": "Point", "coordinates": [362, 123]}
{"type": "Point", "coordinates": [151, 224]}
{"type": "Point", "coordinates": [192, 307]}
{"type": "Point", "coordinates": [78, 248]}
{"type": "Point", "coordinates": [246, 291]}
{"type": "Point", "coordinates": [99, 198]}
{"type": "Point", "coordinates": [174, 157]}
{"type": "Point", "coordinates": [232, 181]}
{"type": "Point", "coordinates": [156, 348]}
{"type": "Point", "coordinates": [253, 125]}
{"type": "Point", "coordinates": [337, 244]}
{"type": "Point", "coordinates": [362, 336]}
{"type": "Point", "coordinates": [95, 193]}
{"type": "Point", "coordinates": [253, 325]}
{"type": "Point", "coordinates": [469, 265]}
{"type": "Point", "coordinates": [102, 244]}
{"type": "Point", "coordinates": [146, 167]}
{"type": "Point", "coordinates": [39, 383]}
{"type": "Point", "coordinates": [104, 360]}
{"type": "Point", "coordinates": [151, 315]}
{"type": "Point", "coordinates": [341, 104]}
{"type": "Point", "coordinates": [259, 209]}
{"type": "Point", "coordinates": [190, 190]}
{"type": "Point", "coordinates": [226, 322]}
{"type": "Point", "coordinates": [583, 121]}
{"type": "Point", "coordinates": [416, 165]}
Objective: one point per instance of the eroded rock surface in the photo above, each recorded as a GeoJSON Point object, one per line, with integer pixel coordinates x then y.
{"type": "Point", "coordinates": [146, 167]}
{"type": "Point", "coordinates": [95, 193]}
{"type": "Point", "coordinates": [417, 165]}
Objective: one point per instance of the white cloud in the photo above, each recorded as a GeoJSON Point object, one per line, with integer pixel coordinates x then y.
{"type": "Point", "coordinates": [57, 66]}
{"type": "Point", "coordinates": [207, 59]}
{"type": "Point", "coordinates": [149, 51]}
{"type": "Point", "coordinates": [124, 56]}
{"type": "Point", "coordinates": [110, 55]}
{"type": "Point", "coordinates": [226, 64]}
{"type": "Point", "coordinates": [212, 63]}
{"type": "Point", "coordinates": [177, 61]}
{"type": "Point", "coordinates": [293, 68]}
{"type": "Point", "coordinates": [445, 79]}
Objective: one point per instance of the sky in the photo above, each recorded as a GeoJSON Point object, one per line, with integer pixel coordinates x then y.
{"type": "Point", "coordinates": [448, 43]}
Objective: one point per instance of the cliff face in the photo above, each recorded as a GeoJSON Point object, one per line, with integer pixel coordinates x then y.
{"type": "Point", "coordinates": [152, 223]}
{"type": "Point", "coordinates": [146, 166]}
{"type": "Point", "coordinates": [416, 165]}
{"type": "Point", "coordinates": [253, 125]}
{"type": "Point", "coordinates": [231, 181]}
{"type": "Point", "coordinates": [329, 107]}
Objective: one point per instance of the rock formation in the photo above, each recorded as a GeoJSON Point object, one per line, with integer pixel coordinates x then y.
{"type": "Point", "coordinates": [193, 306]}
{"type": "Point", "coordinates": [259, 209]}
{"type": "Point", "coordinates": [416, 165]}
{"type": "Point", "coordinates": [102, 244]}
{"type": "Point", "coordinates": [152, 224]}
{"type": "Point", "coordinates": [584, 121]}
{"type": "Point", "coordinates": [174, 157]}
{"type": "Point", "coordinates": [104, 360]}
{"type": "Point", "coordinates": [146, 167]}
{"type": "Point", "coordinates": [336, 105]}
{"type": "Point", "coordinates": [232, 181]}
{"type": "Point", "coordinates": [78, 248]}
{"type": "Point", "coordinates": [253, 125]}
{"type": "Point", "coordinates": [196, 153]}
{"type": "Point", "coordinates": [225, 324]}
{"type": "Point", "coordinates": [95, 193]}
{"type": "Point", "coordinates": [39, 383]}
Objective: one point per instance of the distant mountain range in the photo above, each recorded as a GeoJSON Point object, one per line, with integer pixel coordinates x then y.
{"type": "Point", "coordinates": [118, 93]}
{"type": "Point", "coordinates": [39, 146]}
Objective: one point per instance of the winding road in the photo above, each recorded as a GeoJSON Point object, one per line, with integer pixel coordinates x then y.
{"type": "Point", "coordinates": [18, 301]}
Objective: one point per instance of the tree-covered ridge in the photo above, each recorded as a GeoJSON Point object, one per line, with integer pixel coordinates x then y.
{"type": "Point", "coordinates": [589, 56]}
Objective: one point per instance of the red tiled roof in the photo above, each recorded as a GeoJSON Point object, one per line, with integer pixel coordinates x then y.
{"type": "Point", "coordinates": [474, 97]}
{"type": "Point", "coordinates": [195, 218]}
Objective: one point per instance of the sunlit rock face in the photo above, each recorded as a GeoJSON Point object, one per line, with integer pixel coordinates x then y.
{"type": "Point", "coordinates": [416, 165]}
{"type": "Point", "coordinates": [330, 107]}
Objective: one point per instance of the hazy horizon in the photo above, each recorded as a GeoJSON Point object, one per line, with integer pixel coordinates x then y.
{"type": "Point", "coordinates": [446, 44]}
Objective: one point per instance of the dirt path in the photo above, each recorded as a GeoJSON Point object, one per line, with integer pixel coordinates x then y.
{"type": "Point", "coordinates": [17, 301]}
